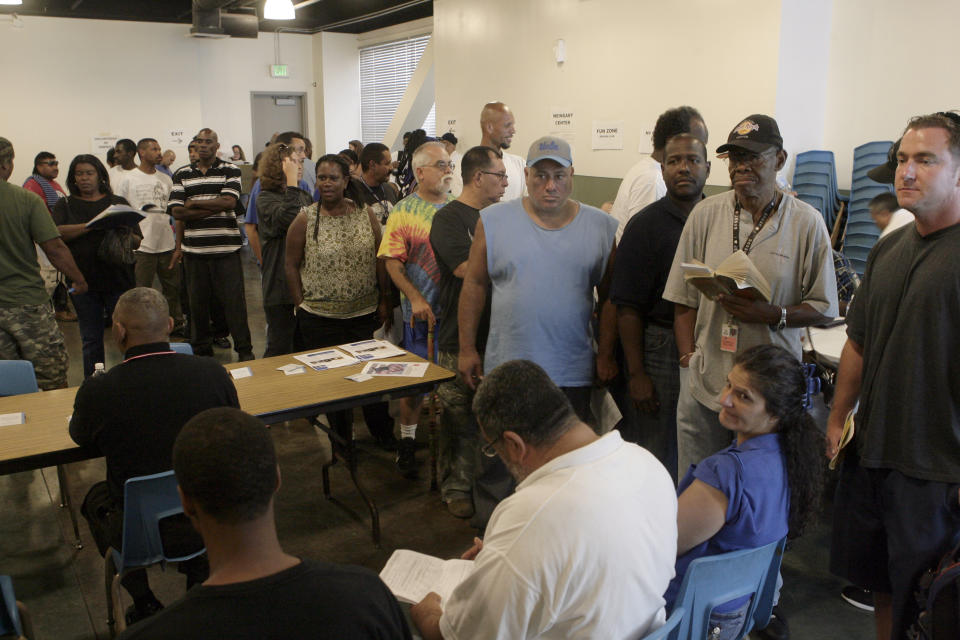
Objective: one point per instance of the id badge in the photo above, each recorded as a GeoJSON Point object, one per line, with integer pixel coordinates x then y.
{"type": "Point", "coordinates": [728, 337]}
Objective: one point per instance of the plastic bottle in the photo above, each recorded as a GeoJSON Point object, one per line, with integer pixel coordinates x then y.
{"type": "Point", "coordinates": [98, 369]}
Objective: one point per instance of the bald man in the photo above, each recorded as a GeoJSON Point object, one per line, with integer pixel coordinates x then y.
{"type": "Point", "coordinates": [132, 415]}
{"type": "Point", "coordinates": [497, 126]}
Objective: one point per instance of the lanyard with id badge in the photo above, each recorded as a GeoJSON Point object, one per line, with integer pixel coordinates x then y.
{"type": "Point", "coordinates": [730, 330]}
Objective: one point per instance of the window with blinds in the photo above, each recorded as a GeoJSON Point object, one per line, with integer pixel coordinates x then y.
{"type": "Point", "coordinates": [385, 72]}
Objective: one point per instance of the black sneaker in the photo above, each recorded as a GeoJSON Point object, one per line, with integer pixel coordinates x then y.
{"type": "Point", "coordinates": [860, 598]}
{"type": "Point", "coordinates": [135, 614]}
{"type": "Point", "coordinates": [221, 343]}
{"type": "Point", "coordinates": [407, 457]}
{"type": "Point", "coordinates": [387, 442]}
{"type": "Point", "coordinates": [776, 629]}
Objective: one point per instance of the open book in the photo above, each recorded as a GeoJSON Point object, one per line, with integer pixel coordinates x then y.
{"type": "Point", "coordinates": [411, 575]}
{"type": "Point", "coordinates": [116, 215]}
{"type": "Point", "coordinates": [736, 275]}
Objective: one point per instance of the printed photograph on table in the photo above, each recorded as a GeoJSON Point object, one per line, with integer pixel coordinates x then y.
{"type": "Point", "coordinates": [408, 369]}
{"type": "Point", "coordinates": [326, 359]}
{"type": "Point", "coordinates": [372, 349]}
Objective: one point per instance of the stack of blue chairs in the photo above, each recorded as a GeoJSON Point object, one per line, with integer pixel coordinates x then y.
{"type": "Point", "coordinates": [815, 181]}
{"type": "Point", "coordinates": [861, 233]}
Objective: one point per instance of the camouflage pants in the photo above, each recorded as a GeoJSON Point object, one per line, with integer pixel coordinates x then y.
{"type": "Point", "coordinates": [459, 455]}
{"type": "Point", "coordinates": [31, 333]}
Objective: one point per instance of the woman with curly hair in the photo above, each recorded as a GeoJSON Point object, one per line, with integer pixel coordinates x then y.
{"type": "Point", "coordinates": [765, 485]}
{"type": "Point", "coordinates": [278, 204]}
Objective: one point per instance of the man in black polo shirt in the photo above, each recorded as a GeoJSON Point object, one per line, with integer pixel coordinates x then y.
{"type": "Point", "coordinates": [374, 188]}
{"type": "Point", "coordinates": [451, 234]}
{"type": "Point", "coordinates": [132, 415]}
{"type": "Point", "coordinates": [203, 198]}
{"type": "Point", "coordinates": [227, 474]}
{"type": "Point", "coordinates": [644, 318]}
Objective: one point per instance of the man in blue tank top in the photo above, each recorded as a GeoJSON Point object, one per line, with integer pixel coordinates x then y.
{"type": "Point", "coordinates": [543, 256]}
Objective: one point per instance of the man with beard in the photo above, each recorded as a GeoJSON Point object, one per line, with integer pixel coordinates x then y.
{"type": "Point", "coordinates": [497, 129]}
{"type": "Point", "coordinates": [575, 489]}
{"type": "Point", "coordinates": [413, 268]}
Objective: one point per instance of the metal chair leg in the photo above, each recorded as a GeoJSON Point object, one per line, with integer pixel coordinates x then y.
{"type": "Point", "coordinates": [65, 502]}
{"type": "Point", "coordinates": [109, 571]}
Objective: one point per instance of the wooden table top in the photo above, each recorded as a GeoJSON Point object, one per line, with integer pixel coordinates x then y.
{"type": "Point", "coordinates": [44, 440]}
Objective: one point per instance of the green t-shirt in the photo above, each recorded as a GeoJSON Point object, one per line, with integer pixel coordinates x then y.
{"type": "Point", "coordinates": [24, 220]}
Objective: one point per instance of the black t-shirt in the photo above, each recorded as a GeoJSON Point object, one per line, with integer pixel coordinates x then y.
{"type": "Point", "coordinates": [275, 213]}
{"type": "Point", "coordinates": [381, 198]}
{"type": "Point", "coordinates": [644, 258]}
{"type": "Point", "coordinates": [312, 600]}
{"type": "Point", "coordinates": [905, 317]}
{"type": "Point", "coordinates": [133, 413]}
{"type": "Point", "coordinates": [451, 235]}
{"type": "Point", "coordinates": [100, 275]}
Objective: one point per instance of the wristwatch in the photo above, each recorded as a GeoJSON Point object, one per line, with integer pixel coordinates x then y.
{"type": "Point", "coordinates": [780, 326]}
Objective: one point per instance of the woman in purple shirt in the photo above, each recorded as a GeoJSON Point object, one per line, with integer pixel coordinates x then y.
{"type": "Point", "coordinates": [762, 487]}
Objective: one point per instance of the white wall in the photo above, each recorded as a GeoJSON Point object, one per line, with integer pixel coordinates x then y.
{"type": "Point", "coordinates": [337, 64]}
{"type": "Point", "coordinates": [626, 60]}
{"type": "Point", "coordinates": [67, 80]}
{"type": "Point", "coordinates": [889, 61]}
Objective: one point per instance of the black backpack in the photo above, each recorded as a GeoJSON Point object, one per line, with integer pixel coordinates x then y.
{"type": "Point", "coordinates": [938, 596]}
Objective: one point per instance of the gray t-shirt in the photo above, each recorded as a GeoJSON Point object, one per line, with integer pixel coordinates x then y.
{"type": "Point", "coordinates": [905, 317]}
{"type": "Point", "coordinates": [792, 251]}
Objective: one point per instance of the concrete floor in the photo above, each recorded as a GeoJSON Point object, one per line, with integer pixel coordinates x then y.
{"type": "Point", "coordinates": [63, 587]}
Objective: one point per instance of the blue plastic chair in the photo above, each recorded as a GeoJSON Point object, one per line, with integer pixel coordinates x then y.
{"type": "Point", "coordinates": [10, 623]}
{"type": "Point", "coordinates": [670, 629]}
{"type": "Point", "coordinates": [146, 501]}
{"type": "Point", "coordinates": [16, 377]}
{"type": "Point", "coordinates": [182, 347]}
{"type": "Point", "coordinates": [713, 580]}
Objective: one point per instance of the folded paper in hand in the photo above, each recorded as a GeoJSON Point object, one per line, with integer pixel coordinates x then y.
{"type": "Point", "coordinates": [736, 275]}
{"type": "Point", "coordinates": [117, 215]}
{"type": "Point", "coordinates": [845, 437]}
{"type": "Point", "coordinates": [411, 575]}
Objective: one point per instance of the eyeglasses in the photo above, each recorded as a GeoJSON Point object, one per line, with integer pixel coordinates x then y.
{"type": "Point", "coordinates": [51, 163]}
{"type": "Point", "coordinates": [501, 176]}
{"type": "Point", "coordinates": [443, 166]}
{"type": "Point", "coordinates": [488, 449]}
{"type": "Point", "coordinates": [750, 158]}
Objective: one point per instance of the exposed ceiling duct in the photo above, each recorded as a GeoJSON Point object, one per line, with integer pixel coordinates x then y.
{"type": "Point", "coordinates": [211, 20]}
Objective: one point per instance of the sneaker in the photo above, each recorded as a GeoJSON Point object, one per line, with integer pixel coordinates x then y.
{"type": "Point", "coordinates": [221, 343]}
{"type": "Point", "coordinates": [860, 598]}
{"type": "Point", "coordinates": [135, 614]}
{"type": "Point", "coordinates": [460, 507]}
{"type": "Point", "coordinates": [776, 629]}
{"type": "Point", "coordinates": [407, 457]}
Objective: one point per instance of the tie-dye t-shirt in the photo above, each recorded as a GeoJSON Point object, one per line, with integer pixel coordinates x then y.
{"type": "Point", "coordinates": [407, 238]}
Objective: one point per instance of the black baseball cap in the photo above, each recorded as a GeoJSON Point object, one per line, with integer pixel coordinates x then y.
{"type": "Point", "coordinates": [755, 133]}
{"type": "Point", "coordinates": [885, 173]}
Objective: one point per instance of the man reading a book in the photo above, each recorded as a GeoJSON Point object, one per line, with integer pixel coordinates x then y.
{"type": "Point", "coordinates": [584, 547]}
{"type": "Point", "coordinates": [787, 242]}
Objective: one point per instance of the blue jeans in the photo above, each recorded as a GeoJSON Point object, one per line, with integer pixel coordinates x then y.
{"type": "Point", "coordinates": [92, 307]}
{"type": "Point", "coordinates": [728, 624]}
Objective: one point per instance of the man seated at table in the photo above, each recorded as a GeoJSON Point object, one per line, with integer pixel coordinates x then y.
{"type": "Point", "coordinates": [585, 546]}
{"type": "Point", "coordinates": [132, 415]}
{"type": "Point", "coordinates": [228, 477]}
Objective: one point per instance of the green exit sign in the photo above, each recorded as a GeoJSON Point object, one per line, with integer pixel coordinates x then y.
{"type": "Point", "coordinates": [279, 71]}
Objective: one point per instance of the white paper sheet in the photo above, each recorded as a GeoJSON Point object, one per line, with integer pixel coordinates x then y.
{"type": "Point", "coordinates": [372, 349]}
{"type": "Point", "coordinates": [405, 369]}
{"type": "Point", "coordinates": [8, 419]}
{"type": "Point", "coordinates": [326, 359]}
{"type": "Point", "coordinates": [242, 372]}
{"type": "Point", "coordinates": [411, 575]}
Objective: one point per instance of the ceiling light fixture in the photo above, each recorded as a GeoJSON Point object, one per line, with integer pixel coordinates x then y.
{"type": "Point", "coordinates": [11, 1]}
{"type": "Point", "coordinates": [275, 10]}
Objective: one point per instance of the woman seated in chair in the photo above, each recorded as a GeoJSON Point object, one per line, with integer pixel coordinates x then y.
{"type": "Point", "coordinates": [762, 487]}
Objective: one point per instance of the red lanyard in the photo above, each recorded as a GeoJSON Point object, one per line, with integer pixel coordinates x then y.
{"type": "Point", "coordinates": [147, 355]}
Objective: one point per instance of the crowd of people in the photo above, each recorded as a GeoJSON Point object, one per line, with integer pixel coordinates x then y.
{"type": "Point", "coordinates": [535, 300]}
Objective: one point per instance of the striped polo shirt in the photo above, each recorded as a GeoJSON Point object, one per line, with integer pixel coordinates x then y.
{"type": "Point", "coordinates": [217, 234]}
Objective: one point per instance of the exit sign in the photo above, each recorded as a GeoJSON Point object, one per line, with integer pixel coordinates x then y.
{"type": "Point", "coordinates": [279, 71]}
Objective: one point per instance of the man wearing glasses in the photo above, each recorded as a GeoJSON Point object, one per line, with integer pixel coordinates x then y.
{"type": "Point", "coordinates": [787, 241]}
{"type": "Point", "coordinates": [544, 255]}
{"type": "Point", "coordinates": [411, 264]}
{"type": "Point", "coordinates": [484, 181]}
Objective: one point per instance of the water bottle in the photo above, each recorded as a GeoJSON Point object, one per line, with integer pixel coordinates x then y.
{"type": "Point", "coordinates": [98, 369]}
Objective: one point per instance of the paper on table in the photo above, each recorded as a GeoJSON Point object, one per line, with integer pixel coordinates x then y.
{"type": "Point", "coordinates": [8, 419]}
{"type": "Point", "coordinates": [292, 369]}
{"type": "Point", "coordinates": [411, 575]}
{"type": "Point", "coordinates": [359, 377]}
{"type": "Point", "coordinates": [406, 369]}
{"type": "Point", "coordinates": [242, 372]}
{"type": "Point", "coordinates": [372, 349]}
{"type": "Point", "coordinates": [326, 359]}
